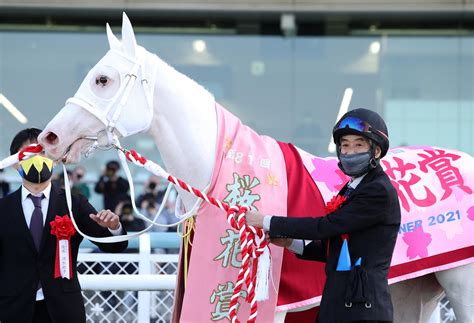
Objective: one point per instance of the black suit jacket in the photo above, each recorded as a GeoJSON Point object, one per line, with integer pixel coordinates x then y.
{"type": "Point", "coordinates": [371, 217]}
{"type": "Point", "coordinates": [22, 266]}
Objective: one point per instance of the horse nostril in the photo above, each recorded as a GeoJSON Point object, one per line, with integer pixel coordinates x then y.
{"type": "Point", "coordinates": [51, 138]}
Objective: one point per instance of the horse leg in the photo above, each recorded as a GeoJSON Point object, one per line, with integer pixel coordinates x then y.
{"type": "Point", "coordinates": [415, 300]}
{"type": "Point", "coordinates": [458, 283]}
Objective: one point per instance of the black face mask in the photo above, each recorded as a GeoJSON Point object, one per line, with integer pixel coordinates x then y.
{"type": "Point", "coordinates": [37, 169]}
{"type": "Point", "coordinates": [356, 165]}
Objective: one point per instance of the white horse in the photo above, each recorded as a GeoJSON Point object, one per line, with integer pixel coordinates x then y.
{"type": "Point", "coordinates": [180, 116]}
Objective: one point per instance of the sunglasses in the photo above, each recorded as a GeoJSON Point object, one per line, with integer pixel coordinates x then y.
{"type": "Point", "coordinates": [358, 125]}
{"type": "Point", "coordinates": [354, 124]}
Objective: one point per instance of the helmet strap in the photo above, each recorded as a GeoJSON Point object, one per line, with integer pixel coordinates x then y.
{"type": "Point", "coordinates": [373, 163]}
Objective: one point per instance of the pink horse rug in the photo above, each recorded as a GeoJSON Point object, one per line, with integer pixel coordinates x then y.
{"type": "Point", "coordinates": [435, 188]}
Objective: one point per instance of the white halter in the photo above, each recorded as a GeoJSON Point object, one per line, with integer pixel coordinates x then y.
{"type": "Point", "coordinates": [110, 115]}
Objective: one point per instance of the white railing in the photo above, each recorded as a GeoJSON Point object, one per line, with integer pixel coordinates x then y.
{"type": "Point", "coordinates": [139, 287]}
{"type": "Point", "coordinates": [135, 287]}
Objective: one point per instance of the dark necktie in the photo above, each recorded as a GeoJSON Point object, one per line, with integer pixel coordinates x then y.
{"type": "Point", "coordinates": [36, 223]}
{"type": "Point", "coordinates": [348, 191]}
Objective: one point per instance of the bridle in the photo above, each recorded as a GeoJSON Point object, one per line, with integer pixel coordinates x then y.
{"type": "Point", "coordinates": [112, 112]}
{"type": "Point", "coordinates": [107, 139]}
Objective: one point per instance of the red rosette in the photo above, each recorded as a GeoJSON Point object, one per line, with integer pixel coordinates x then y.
{"type": "Point", "coordinates": [334, 203]}
{"type": "Point", "coordinates": [63, 228]}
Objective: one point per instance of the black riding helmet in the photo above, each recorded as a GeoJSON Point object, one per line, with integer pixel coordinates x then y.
{"type": "Point", "coordinates": [365, 123]}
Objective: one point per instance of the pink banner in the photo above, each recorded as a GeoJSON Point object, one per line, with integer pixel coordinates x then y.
{"type": "Point", "coordinates": [435, 189]}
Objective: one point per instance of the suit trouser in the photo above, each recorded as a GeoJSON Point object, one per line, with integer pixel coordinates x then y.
{"type": "Point", "coordinates": [41, 314]}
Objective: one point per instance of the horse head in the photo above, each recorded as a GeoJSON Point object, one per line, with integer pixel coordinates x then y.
{"type": "Point", "coordinates": [114, 99]}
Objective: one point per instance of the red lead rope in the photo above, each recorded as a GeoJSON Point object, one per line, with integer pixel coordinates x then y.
{"type": "Point", "coordinates": [28, 151]}
{"type": "Point", "coordinates": [252, 242]}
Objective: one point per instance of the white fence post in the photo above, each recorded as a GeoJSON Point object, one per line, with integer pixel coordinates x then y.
{"type": "Point", "coordinates": [144, 268]}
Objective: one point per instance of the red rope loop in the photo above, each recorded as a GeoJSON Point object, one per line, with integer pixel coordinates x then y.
{"type": "Point", "coordinates": [29, 150]}
{"type": "Point", "coordinates": [133, 156]}
{"type": "Point", "coordinates": [252, 243]}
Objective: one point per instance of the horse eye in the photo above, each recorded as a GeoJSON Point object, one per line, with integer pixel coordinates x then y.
{"type": "Point", "coordinates": [101, 80]}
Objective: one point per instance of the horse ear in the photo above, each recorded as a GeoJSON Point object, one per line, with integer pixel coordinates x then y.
{"type": "Point", "coordinates": [114, 43]}
{"type": "Point", "coordinates": [128, 37]}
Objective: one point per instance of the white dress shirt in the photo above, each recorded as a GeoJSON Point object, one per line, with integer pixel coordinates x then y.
{"type": "Point", "coordinates": [28, 208]}
{"type": "Point", "coordinates": [297, 246]}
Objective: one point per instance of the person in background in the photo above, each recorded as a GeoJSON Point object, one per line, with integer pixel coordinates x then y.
{"type": "Point", "coordinates": [170, 208]}
{"type": "Point", "coordinates": [153, 188]}
{"type": "Point", "coordinates": [130, 222]}
{"type": "Point", "coordinates": [149, 207]}
{"type": "Point", "coordinates": [58, 179]}
{"type": "Point", "coordinates": [113, 187]}
{"type": "Point", "coordinates": [4, 185]}
{"type": "Point", "coordinates": [79, 187]}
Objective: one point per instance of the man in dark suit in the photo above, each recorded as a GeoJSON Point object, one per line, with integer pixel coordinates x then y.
{"type": "Point", "coordinates": [357, 238]}
{"type": "Point", "coordinates": [29, 291]}
{"type": "Point", "coordinates": [113, 187]}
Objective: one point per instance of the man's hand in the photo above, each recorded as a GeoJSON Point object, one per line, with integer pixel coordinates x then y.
{"type": "Point", "coordinates": [254, 218]}
{"type": "Point", "coordinates": [106, 219]}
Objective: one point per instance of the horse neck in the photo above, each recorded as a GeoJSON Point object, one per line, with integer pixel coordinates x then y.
{"type": "Point", "coordinates": [184, 127]}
